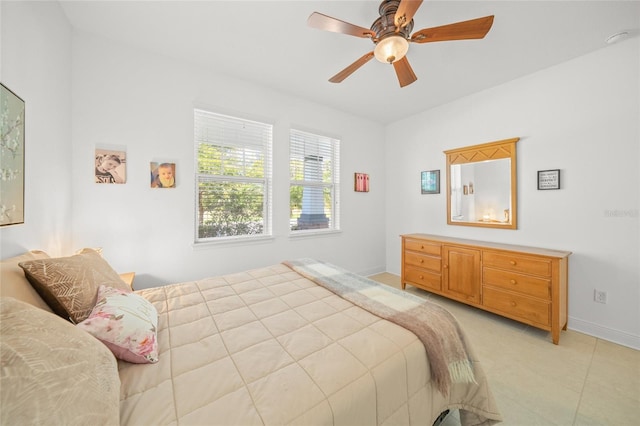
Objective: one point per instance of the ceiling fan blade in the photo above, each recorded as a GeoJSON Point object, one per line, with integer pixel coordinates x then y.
{"type": "Point", "coordinates": [405, 12]}
{"type": "Point", "coordinates": [405, 73]}
{"type": "Point", "coordinates": [327, 23]}
{"type": "Point", "coordinates": [473, 29]}
{"type": "Point", "coordinates": [351, 68]}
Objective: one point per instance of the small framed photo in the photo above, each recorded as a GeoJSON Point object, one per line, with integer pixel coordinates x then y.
{"type": "Point", "coordinates": [163, 175]}
{"type": "Point", "coordinates": [110, 166]}
{"type": "Point", "coordinates": [430, 182]}
{"type": "Point", "coordinates": [549, 179]}
{"type": "Point", "coordinates": [361, 182]}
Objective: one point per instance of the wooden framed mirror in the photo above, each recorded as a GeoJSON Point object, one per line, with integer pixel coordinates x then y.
{"type": "Point", "coordinates": [481, 185]}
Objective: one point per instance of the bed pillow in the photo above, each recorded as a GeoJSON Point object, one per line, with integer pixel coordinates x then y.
{"type": "Point", "coordinates": [53, 373]}
{"type": "Point", "coordinates": [13, 283]}
{"type": "Point", "coordinates": [126, 323]}
{"type": "Point", "coordinates": [87, 249]}
{"type": "Point", "coordinates": [69, 285]}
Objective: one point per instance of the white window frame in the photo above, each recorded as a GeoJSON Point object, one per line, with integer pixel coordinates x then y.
{"type": "Point", "coordinates": [311, 148]}
{"type": "Point", "coordinates": [266, 145]}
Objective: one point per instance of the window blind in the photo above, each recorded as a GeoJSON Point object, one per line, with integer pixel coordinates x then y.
{"type": "Point", "coordinates": [233, 163]}
{"type": "Point", "coordinates": [314, 181]}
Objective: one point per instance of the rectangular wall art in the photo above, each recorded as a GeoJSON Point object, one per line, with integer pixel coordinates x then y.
{"type": "Point", "coordinates": [361, 182]}
{"type": "Point", "coordinates": [430, 182]}
{"type": "Point", "coordinates": [12, 112]}
{"type": "Point", "coordinates": [110, 166]}
{"type": "Point", "coordinates": [549, 179]}
{"type": "Point", "coordinates": [163, 175]}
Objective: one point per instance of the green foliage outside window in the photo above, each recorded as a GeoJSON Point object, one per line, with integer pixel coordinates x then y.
{"type": "Point", "coordinates": [230, 191]}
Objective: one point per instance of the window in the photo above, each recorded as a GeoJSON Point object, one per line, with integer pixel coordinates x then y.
{"type": "Point", "coordinates": [314, 164]}
{"type": "Point", "coordinates": [233, 178]}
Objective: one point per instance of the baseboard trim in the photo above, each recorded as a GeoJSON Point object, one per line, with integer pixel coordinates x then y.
{"type": "Point", "coordinates": [606, 333]}
{"type": "Point", "coordinates": [373, 271]}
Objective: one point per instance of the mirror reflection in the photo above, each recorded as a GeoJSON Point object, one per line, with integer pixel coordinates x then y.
{"type": "Point", "coordinates": [481, 185]}
{"type": "Point", "coordinates": [480, 192]}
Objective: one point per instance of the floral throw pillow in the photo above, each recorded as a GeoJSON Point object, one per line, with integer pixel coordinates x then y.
{"type": "Point", "coordinates": [126, 323]}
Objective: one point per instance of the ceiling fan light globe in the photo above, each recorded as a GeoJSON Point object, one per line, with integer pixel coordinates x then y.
{"type": "Point", "coordinates": [391, 49]}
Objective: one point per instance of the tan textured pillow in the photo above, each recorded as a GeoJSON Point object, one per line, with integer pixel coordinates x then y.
{"type": "Point", "coordinates": [87, 249]}
{"type": "Point", "coordinates": [52, 372]}
{"type": "Point", "coordinates": [13, 283]}
{"type": "Point", "coordinates": [70, 284]}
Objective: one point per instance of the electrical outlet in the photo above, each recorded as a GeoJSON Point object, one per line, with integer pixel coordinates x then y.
{"type": "Point", "coordinates": [600, 296]}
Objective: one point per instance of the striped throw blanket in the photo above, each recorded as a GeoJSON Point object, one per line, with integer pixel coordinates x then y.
{"type": "Point", "coordinates": [438, 330]}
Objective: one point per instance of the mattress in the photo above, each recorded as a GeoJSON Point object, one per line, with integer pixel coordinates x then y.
{"type": "Point", "coordinates": [272, 347]}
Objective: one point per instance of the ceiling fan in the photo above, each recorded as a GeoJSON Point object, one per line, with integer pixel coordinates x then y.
{"type": "Point", "coordinates": [391, 34]}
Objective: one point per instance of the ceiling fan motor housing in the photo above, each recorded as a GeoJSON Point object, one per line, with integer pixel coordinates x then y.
{"type": "Point", "coordinates": [385, 25]}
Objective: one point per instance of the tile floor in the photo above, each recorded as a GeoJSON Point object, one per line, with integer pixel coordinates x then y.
{"type": "Point", "coordinates": [582, 381]}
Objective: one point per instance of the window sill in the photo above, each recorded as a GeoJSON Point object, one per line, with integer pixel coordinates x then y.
{"type": "Point", "coordinates": [233, 241]}
{"type": "Point", "coordinates": [313, 233]}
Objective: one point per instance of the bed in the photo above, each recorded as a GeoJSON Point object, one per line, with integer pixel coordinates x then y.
{"type": "Point", "coordinates": [291, 343]}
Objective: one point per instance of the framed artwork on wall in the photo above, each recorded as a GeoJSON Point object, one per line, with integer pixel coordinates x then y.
{"type": "Point", "coordinates": [163, 175]}
{"type": "Point", "coordinates": [361, 182]}
{"type": "Point", "coordinates": [549, 179]}
{"type": "Point", "coordinates": [430, 182]}
{"type": "Point", "coordinates": [12, 113]}
{"type": "Point", "coordinates": [110, 166]}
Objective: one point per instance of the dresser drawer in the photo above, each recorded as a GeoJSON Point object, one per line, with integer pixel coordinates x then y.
{"type": "Point", "coordinates": [433, 249]}
{"type": "Point", "coordinates": [511, 304]}
{"type": "Point", "coordinates": [423, 261]}
{"type": "Point", "coordinates": [526, 284]}
{"type": "Point", "coordinates": [514, 262]}
{"type": "Point", "coordinates": [422, 278]}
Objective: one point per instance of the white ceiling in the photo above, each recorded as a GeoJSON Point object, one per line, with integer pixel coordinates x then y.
{"type": "Point", "coordinates": [269, 43]}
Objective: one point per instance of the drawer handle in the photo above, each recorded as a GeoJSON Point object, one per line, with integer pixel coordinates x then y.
{"type": "Point", "coordinates": [445, 266]}
{"type": "Point", "coordinates": [421, 260]}
{"type": "Point", "coordinates": [514, 282]}
{"type": "Point", "coordinates": [513, 303]}
{"type": "Point", "coordinates": [421, 247]}
{"type": "Point", "coordinates": [422, 277]}
{"type": "Point", "coordinates": [513, 262]}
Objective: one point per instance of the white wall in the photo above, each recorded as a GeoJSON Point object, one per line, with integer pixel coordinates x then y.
{"type": "Point", "coordinates": [35, 50]}
{"type": "Point", "coordinates": [144, 103]}
{"type": "Point", "coordinates": [581, 117]}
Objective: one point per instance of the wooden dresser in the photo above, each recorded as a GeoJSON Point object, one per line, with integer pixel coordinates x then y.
{"type": "Point", "coordinates": [526, 284]}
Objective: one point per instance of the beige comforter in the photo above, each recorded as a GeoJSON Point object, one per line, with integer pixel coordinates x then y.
{"type": "Point", "coordinates": [269, 346]}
